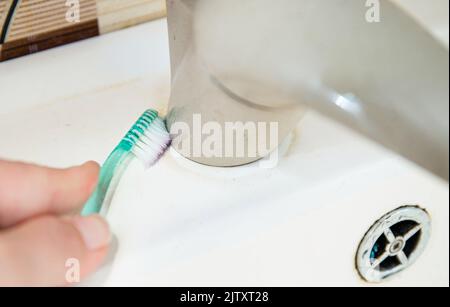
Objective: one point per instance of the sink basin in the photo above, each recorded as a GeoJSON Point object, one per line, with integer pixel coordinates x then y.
{"type": "Point", "coordinates": [298, 224]}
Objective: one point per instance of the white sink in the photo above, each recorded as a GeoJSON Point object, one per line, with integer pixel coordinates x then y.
{"type": "Point", "coordinates": [180, 223]}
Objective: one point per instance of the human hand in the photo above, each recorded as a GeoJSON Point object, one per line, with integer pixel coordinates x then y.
{"type": "Point", "coordinates": [37, 234]}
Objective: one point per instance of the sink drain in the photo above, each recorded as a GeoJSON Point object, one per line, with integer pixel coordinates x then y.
{"type": "Point", "coordinates": [393, 243]}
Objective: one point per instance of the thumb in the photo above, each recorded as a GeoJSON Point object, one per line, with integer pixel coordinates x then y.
{"type": "Point", "coordinates": [51, 250]}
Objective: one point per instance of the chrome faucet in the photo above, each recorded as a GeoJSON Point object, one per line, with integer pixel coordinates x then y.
{"type": "Point", "coordinates": [269, 61]}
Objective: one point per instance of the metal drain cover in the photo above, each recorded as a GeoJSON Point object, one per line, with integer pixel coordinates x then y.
{"type": "Point", "coordinates": [393, 243]}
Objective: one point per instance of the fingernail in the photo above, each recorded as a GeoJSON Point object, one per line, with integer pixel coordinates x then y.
{"type": "Point", "coordinates": [94, 230]}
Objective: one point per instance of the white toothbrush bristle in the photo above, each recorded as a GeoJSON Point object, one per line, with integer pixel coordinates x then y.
{"type": "Point", "coordinates": [151, 139]}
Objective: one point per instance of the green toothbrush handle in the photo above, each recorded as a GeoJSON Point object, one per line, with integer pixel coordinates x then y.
{"type": "Point", "coordinates": [112, 168]}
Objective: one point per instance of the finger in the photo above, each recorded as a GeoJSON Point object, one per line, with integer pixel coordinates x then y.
{"type": "Point", "coordinates": [52, 251]}
{"type": "Point", "coordinates": [28, 190]}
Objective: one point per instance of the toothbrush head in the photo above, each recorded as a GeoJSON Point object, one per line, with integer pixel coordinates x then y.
{"type": "Point", "coordinates": [148, 139]}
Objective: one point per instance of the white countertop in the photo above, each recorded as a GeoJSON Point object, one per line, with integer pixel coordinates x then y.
{"type": "Point", "coordinates": [184, 224]}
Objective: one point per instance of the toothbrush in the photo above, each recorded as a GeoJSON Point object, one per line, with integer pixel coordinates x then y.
{"type": "Point", "coordinates": [147, 140]}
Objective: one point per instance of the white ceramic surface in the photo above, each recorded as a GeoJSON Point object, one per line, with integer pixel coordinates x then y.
{"type": "Point", "coordinates": [186, 224]}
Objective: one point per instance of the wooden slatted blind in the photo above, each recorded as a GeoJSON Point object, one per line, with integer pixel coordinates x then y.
{"type": "Point", "coordinates": [38, 25]}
